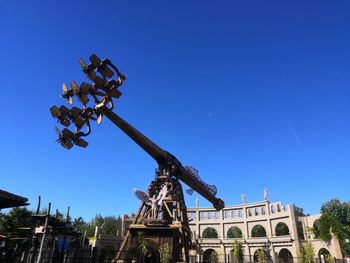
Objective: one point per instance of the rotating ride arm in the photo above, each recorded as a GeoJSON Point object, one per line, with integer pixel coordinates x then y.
{"type": "Point", "coordinates": [102, 91]}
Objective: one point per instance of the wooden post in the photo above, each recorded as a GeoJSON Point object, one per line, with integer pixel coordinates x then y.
{"type": "Point", "coordinates": [65, 235]}
{"type": "Point", "coordinates": [44, 234]}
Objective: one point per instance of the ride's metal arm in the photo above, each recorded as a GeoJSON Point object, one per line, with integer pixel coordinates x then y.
{"type": "Point", "coordinates": [163, 157]}
{"type": "Point", "coordinates": [196, 185]}
{"type": "Point", "coordinates": [157, 153]}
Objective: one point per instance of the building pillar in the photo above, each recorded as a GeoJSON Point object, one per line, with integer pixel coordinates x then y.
{"type": "Point", "coordinates": [293, 230]}
{"type": "Point", "coordinates": [336, 248]}
{"type": "Point", "coordinates": [197, 223]}
{"type": "Point", "coordinates": [269, 230]}
{"type": "Point", "coordinates": [246, 229]}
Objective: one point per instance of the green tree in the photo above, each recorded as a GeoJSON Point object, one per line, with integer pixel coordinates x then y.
{"type": "Point", "coordinates": [335, 220]}
{"type": "Point", "coordinates": [141, 246]}
{"type": "Point", "coordinates": [329, 258]}
{"type": "Point", "coordinates": [79, 224]}
{"type": "Point", "coordinates": [338, 210]}
{"type": "Point", "coordinates": [237, 252]}
{"type": "Point", "coordinates": [307, 253]}
{"type": "Point", "coordinates": [298, 212]}
{"type": "Point", "coordinates": [108, 225]}
{"type": "Point", "coordinates": [12, 225]}
{"type": "Point", "coordinates": [261, 256]}
{"type": "Point", "coordinates": [165, 253]}
{"type": "Point", "coordinates": [57, 214]}
{"type": "Point", "coordinates": [15, 219]}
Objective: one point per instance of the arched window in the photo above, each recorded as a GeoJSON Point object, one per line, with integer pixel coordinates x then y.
{"type": "Point", "coordinates": [278, 208]}
{"type": "Point", "coordinates": [234, 232]}
{"type": "Point", "coordinates": [258, 231]}
{"type": "Point", "coordinates": [210, 232]}
{"type": "Point", "coordinates": [256, 210]}
{"type": "Point", "coordinates": [233, 214]}
{"type": "Point", "coordinates": [281, 229]}
{"type": "Point", "coordinates": [249, 212]}
{"type": "Point", "coordinates": [263, 210]}
{"type": "Point", "coordinates": [240, 213]}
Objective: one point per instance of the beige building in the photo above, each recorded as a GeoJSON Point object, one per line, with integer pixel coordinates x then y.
{"type": "Point", "coordinates": [262, 227]}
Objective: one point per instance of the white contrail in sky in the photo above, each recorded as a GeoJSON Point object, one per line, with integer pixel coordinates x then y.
{"type": "Point", "coordinates": [294, 133]}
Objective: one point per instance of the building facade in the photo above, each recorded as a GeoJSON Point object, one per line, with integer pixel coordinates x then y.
{"type": "Point", "coordinates": [263, 228]}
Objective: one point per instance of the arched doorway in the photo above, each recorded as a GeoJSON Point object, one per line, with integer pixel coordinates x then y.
{"type": "Point", "coordinates": [210, 256]}
{"type": "Point", "coordinates": [324, 256]}
{"type": "Point", "coordinates": [285, 256]}
{"type": "Point", "coordinates": [260, 255]}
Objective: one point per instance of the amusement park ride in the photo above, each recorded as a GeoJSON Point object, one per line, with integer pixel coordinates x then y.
{"type": "Point", "coordinates": [162, 216]}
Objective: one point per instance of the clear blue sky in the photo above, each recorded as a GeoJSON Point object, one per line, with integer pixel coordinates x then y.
{"type": "Point", "coordinates": [252, 93]}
